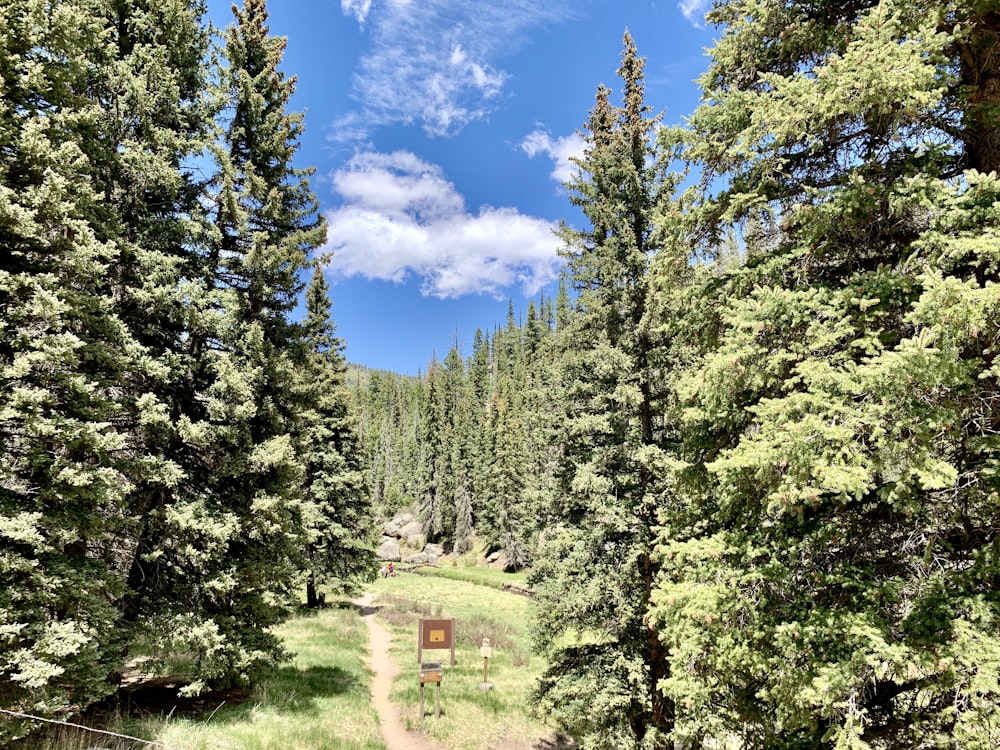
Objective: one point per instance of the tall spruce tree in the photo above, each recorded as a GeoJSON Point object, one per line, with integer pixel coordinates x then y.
{"type": "Point", "coordinates": [267, 225]}
{"type": "Point", "coordinates": [156, 117]}
{"type": "Point", "coordinates": [64, 468]}
{"type": "Point", "coordinates": [503, 522]}
{"type": "Point", "coordinates": [338, 513]}
{"type": "Point", "coordinates": [433, 440]}
{"type": "Point", "coordinates": [221, 551]}
{"type": "Point", "coordinates": [838, 588]}
{"type": "Point", "coordinates": [594, 579]}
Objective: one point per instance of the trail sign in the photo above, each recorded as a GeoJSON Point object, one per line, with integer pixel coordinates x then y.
{"type": "Point", "coordinates": [436, 634]}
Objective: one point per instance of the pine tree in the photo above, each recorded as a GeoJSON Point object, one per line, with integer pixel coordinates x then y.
{"type": "Point", "coordinates": [594, 580]}
{"type": "Point", "coordinates": [64, 468]}
{"type": "Point", "coordinates": [338, 512]}
{"type": "Point", "coordinates": [834, 583]}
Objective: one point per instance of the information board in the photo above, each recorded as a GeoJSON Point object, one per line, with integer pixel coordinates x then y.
{"type": "Point", "coordinates": [436, 634]}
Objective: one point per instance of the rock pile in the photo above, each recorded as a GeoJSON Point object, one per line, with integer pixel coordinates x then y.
{"type": "Point", "coordinates": [404, 533]}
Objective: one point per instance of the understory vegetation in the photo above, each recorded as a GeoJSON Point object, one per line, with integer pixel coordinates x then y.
{"type": "Point", "coordinates": [319, 699]}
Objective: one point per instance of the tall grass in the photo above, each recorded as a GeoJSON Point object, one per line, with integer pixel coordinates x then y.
{"type": "Point", "coordinates": [492, 577]}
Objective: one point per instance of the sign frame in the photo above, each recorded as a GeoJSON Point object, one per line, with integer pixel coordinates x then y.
{"type": "Point", "coordinates": [436, 634]}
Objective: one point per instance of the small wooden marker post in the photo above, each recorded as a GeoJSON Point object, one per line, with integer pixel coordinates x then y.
{"type": "Point", "coordinates": [486, 652]}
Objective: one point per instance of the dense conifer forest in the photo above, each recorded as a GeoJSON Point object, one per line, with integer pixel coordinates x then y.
{"type": "Point", "coordinates": [750, 452]}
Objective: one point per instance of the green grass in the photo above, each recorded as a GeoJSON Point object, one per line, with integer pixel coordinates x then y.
{"type": "Point", "coordinates": [471, 719]}
{"type": "Point", "coordinates": [492, 577]}
{"type": "Point", "coordinates": [320, 701]}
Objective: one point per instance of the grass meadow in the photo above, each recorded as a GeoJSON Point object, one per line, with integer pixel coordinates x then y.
{"type": "Point", "coordinates": [319, 701]}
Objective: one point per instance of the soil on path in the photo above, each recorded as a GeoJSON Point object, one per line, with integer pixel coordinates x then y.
{"type": "Point", "coordinates": [394, 732]}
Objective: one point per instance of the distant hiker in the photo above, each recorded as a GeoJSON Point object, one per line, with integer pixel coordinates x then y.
{"type": "Point", "coordinates": [384, 571]}
{"type": "Point", "coordinates": [392, 570]}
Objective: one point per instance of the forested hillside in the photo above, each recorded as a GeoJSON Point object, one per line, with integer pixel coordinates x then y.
{"type": "Point", "coordinates": [472, 444]}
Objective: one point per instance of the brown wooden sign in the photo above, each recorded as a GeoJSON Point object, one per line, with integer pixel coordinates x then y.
{"type": "Point", "coordinates": [430, 671]}
{"type": "Point", "coordinates": [436, 634]}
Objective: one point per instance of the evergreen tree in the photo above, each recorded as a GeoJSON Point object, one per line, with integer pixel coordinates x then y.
{"type": "Point", "coordinates": [338, 510]}
{"type": "Point", "coordinates": [831, 582]}
{"type": "Point", "coordinates": [219, 558]}
{"type": "Point", "coordinates": [503, 522]}
{"type": "Point", "coordinates": [594, 579]}
{"type": "Point", "coordinates": [64, 468]}
{"type": "Point", "coordinates": [434, 453]}
{"type": "Point", "coordinates": [388, 408]}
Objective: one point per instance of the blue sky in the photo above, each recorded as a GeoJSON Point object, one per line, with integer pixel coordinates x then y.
{"type": "Point", "coordinates": [441, 131]}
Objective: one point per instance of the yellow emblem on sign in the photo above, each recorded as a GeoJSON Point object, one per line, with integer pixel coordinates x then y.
{"type": "Point", "coordinates": [437, 636]}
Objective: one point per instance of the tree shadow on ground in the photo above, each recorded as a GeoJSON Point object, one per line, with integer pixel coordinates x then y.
{"type": "Point", "coordinates": [558, 741]}
{"type": "Point", "coordinates": [286, 689]}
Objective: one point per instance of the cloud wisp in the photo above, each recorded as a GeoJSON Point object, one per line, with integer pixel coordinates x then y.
{"type": "Point", "coordinates": [561, 150]}
{"type": "Point", "coordinates": [436, 63]}
{"type": "Point", "coordinates": [694, 11]}
{"type": "Point", "coordinates": [401, 218]}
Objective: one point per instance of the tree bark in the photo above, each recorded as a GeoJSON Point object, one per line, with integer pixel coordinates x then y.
{"type": "Point", "coordinates": [979, 55]}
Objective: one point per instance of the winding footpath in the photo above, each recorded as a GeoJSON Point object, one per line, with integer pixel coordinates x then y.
{"type": "Point", "coordinates": [384, 670]}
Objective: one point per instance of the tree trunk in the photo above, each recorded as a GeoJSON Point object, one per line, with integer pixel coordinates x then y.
{"type": "Point", "coordinates": [980, 81]}
{"type": "Point", "coordinates": [313, 600]}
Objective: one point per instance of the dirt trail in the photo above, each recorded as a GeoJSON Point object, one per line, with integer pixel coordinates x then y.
{"type": "Point", "coordinates": [393, 731]}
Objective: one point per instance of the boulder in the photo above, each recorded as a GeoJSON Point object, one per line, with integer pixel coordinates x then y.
{"type": "Point", "coordinates": [415, 541]}
{"type": "Point", "coordinates": [388, 550]}
{"type": "Point", "coordinates": [391, 528]}
{"type": "Point", "coordinates": [417, 559]}
{"type": "Point", "coordinates": [412, 528]}
{"type": "Point", "coordinates": [434, 549]}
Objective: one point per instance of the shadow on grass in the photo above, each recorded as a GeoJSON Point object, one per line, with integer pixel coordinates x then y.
{"type": "Point", "coordinates": [286, 689]}
{"type": "Point", "coordinates": [558, 741]}
{"type": "Point", "coordinates": [293, 691]}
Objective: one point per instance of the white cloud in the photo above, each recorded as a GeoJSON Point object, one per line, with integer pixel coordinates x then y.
{"type": "Point", "coordinates": [436, 62]}
{"type": "Point", "coordinates": [359, 9]}
{"type": "Point", "coordinates": [560, 150]}
{"type": "Point", "coordinates": [694, 11]}
{"type": "Point", "coordinates": [401, 218]}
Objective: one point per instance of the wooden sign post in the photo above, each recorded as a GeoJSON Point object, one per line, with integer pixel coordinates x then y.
{"type": "Point", "coordinates": [430, 671]}
{"type": "Point", "coordinates": [434, 634]}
